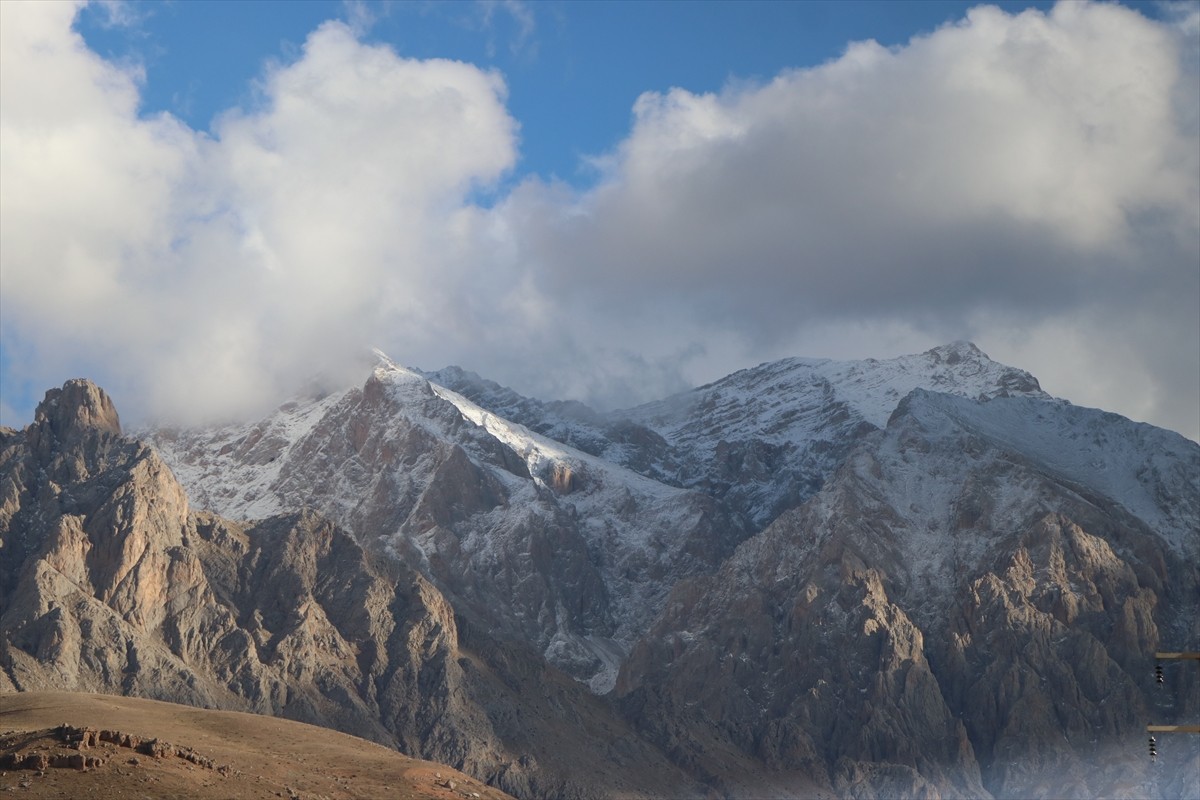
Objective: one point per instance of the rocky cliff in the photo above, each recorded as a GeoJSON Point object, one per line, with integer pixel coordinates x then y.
{"type": "Point", "coordinates": [109, 583]}
{"type": "Point", "coordinates": [947, 617]}
{"type": "Point", "coordinates": [541, 542]}
{"type": "Point", "coordinates": [920, 577]}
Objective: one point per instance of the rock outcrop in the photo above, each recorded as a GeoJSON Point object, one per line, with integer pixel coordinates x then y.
{"type": "Point", "coordinates": [538, 542]}
{"type": "Point", "coordinates": [946, 618]}
{"type": "Point", "coordinates": [811, 578]}
{"type": "Point", "coordinates": [85, 738]}
{"type": "Point", "coordinates": [109, 583]}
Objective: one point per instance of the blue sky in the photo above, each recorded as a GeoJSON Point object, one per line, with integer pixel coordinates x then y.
{"type": "Point", "coordinates": [208, 205]}
{"type": "Point", "coordinates": [573, 69]}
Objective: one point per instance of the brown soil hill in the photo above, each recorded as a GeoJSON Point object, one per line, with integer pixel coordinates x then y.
{"type": "Point", "coordinates": [211, 755]}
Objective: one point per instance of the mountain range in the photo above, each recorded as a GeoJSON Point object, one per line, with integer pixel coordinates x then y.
{"type": "Point", "coordinates": [915, 577]}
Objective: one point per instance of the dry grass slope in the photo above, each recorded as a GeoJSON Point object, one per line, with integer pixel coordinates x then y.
{"type": "Point", "coordinates": [251, 756]}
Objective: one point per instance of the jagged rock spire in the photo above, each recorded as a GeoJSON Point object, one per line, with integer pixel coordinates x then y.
{"type": "Point", "coordinates": [78, 406]}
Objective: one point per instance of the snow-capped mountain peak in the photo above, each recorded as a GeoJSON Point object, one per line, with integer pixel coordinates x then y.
{"type": "Point", "coordinates": [709, 557]}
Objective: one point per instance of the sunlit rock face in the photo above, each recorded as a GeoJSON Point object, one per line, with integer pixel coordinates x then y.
{"type": "Point", "coordinates": [539, 542]}
{"type": "Point", "coordinates": [919, 577]}
{"type": "Point", "coordinates": [108, 583]}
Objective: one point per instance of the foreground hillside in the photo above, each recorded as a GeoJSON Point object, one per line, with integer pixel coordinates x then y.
{"type": "Point", "coordinates": [203, 755]}
{"type": "Point", "coordinates": [920, 577]}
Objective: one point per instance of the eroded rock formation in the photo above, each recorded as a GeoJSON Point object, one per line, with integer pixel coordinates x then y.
{"type": "Point", "coordinates": [962, 597]}
{"type": "Point", "coordinates": [110, 583]}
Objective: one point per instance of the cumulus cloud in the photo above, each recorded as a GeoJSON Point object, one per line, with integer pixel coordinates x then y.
{"type": "Point", "coordinates": [1030, 181]}
{"type": "Point", "coordinates": [204, 274]}
{"type": "Point", "coordinates": [1002, 175]}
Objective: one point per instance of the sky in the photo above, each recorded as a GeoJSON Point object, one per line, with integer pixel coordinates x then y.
{"type": "Point", "coordinates": [209, 207]}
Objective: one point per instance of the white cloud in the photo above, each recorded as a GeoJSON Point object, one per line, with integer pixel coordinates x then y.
{"type": "Point", "coordinates": [122, 13]}
{"type": "Point", "coordinates": [1031, 182]}
{"type": "Point", "coordinates": [207, 273]}
{"type": "Point", "coordinates": [1004, 172]}
{"type": "Point", "coordinates": [522, 40]}
{"type": "Point", "coordinates": [360, 16]}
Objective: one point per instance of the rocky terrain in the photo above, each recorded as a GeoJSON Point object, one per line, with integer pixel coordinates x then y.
{"type": "Point", "coordinates": [538, 541]}
{"type": "Point", "coordinates": [921, 577]}
{"type": "Point", "coordinates": [947, 616]}
{"type": "Point", "coordinates": [109, 583]}
{"type": "Point", "coordinates": [761, 440]}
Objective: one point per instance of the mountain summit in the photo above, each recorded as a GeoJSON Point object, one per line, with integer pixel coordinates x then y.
{"type": "Point", "coordinates": [911, 577]}
{"type": "Point", "coordinates": [110, 584]}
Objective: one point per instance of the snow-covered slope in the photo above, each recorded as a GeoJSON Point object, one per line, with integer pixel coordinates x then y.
{"type": "Point", "coordinates": [231, 469]}
{"type": "Point", "coordinates": [809, 568]}
{"type": "Point", "coordinates": [766, 439]}
{"type": "Point", "coordinates": [610, 436]}
{"type": "Point", "coordinates": [1150, 473]}
{"type": "Point", "coordinates": [761, 440]}
{"type": "Point", "coordinates": [562, 548]}
{"type": "Point", "coordinates": [974, 599]}
{"type": "Point", "coordinates": [789, 401]}
{"type": "Point", "coordinates": [663, 491]}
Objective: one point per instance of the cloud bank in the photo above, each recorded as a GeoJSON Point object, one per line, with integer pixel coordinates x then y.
{"type": "Point", "coordinates": [1031, 182]}
{"type": "Point", "coordinates": [206, 275]}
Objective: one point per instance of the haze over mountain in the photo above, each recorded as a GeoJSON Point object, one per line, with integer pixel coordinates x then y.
{"type": "Point", "coordinates": [920, 576]}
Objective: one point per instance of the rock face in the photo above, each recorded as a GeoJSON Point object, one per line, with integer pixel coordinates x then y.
{"type": "Point", "coordinates": [537, 541]}
{"type": "Point", "coordinates": [920, 577]}
{"type": "Point", "coordinates": [110, 584]}
{"type": "Point", "coordinates": [947, 616]}
{"type": "Point", "coordinates": [761, 440]}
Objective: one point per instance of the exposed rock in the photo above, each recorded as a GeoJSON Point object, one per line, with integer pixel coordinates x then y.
{"type": "Point", "coordinates": [539, 543]}
{"type": "Point", "coordinates": [80, 739]}
{"type": "Point", "coordinates": [110, 584]}
{"type": "Point", "coordinates": [563, 479]}
{"type": "Point", "coordinates": [903, 635]}
{"type": "Point", "coordinates": [962, 603]}
{"type": "Point", "coordinates": [78, 410]}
